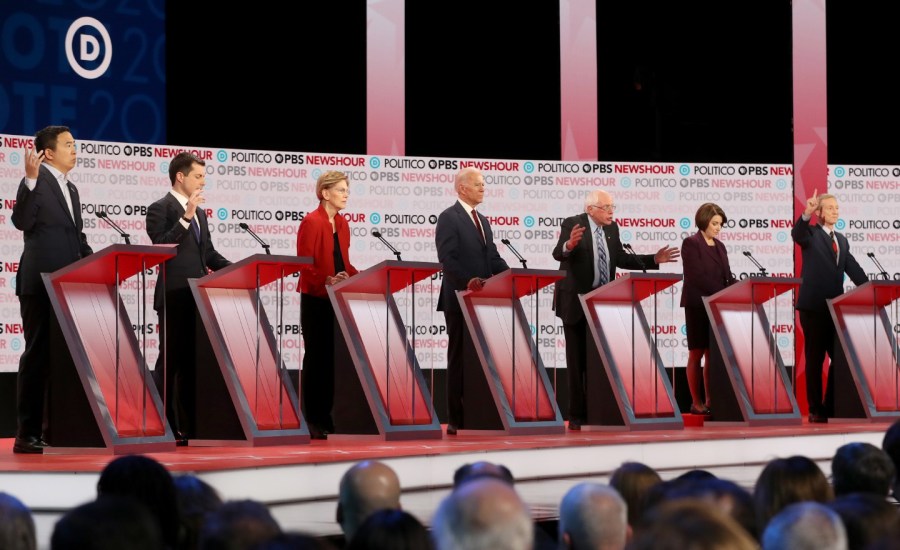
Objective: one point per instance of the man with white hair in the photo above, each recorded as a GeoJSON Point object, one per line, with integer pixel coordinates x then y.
{"type": "Point", "coordinates": [592, 515]}
{"type": "Point", "coordinates": [805, 526]}
{"type": "Point", "coordinates": [483, 514]}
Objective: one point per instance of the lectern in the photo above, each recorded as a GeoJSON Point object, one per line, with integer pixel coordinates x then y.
{"type": "Point", "coordinates": [102, 398]}
{"type": "Point", "coordinates": [626, 382]}
{"type": "Point", "coordinates": [748, 382]}
{"type": "Point", "coordinates": [244, 393]}
{"type": "Point", "coordinates": [507, 388]}
{"type": "Point", "coordinates": [379, 387]}
{"type": "Point", "coordinates": [866, 357]}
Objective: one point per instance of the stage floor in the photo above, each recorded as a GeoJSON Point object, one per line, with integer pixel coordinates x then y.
{"type": "Point", "coordinates": [300, 482]}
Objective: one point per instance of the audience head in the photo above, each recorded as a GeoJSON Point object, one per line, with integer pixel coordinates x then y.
{"type": "Point", "coordinates": [785, 481]}
{"type": "Point", "coordinates": [365, 488]}
{"type": "Point", "coordinates": [391, 530]}
{"type": "Point", "coordinates": [633, 480]}
{"type": "Point", "coordinates": [692, 524]}
{"type": "Point", "coordinates": [805, 526]}
{"type": "Point", "coordinates": [867, 517]}
{"type": "Point", "coordinates": [476, 470]}
{"type": "Point", "coordinates": [483, 514]}
{"type": "Point", "coordinates": [147, 481]}
{"type": "Point", "coordinates": [592, 515]}
{"type": "Point", "coordinates": [111, 522]}
{"type": "Point", "coordinates": [238, 525]}
{"type": "Point", "coordinates": [16, 524]}
{"type": "Point", "coordinates": [295, 541]}
{"type": "Point", "coordinates": [196, 498]}
{"type": "Point", "coordinates": [891, 445]}
{"type": "Point", "coordinates": [726, 496]}
{"type": "Point", "coordinates": [861, 467]}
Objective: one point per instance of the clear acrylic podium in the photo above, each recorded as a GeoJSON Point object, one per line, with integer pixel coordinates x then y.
{"type": "Point", "coordinates": [245, 396]}
{"type": "Point", "coordinates": [748, 382]}
{"type": "Point", "coordinates": [102, 398]}
{"type": "Point", "coordinates": [625, 381]}
{"type": "Point", "coordinates": [507, 389]}
{"type": "Point", "coordinates": [379, 388]}
{"type": "Point", "coordinates": [866, 381]}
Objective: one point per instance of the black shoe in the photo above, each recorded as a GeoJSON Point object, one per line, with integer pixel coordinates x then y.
{"type": "Point", "coordinates": [702, 411]}
{"type": "Point", "coordinates": [574, 425]}
{"type": "Point", "coordinates": [817, 419]}
{"type": "Point", "coordinates": [316, 432]}
{"type": "Point", "coordinates": [451, 429]}
{"type": "Point", "coordinates": [29, 445]}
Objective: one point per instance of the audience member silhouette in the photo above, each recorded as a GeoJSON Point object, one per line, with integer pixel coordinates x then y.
{"type": "Point", "coordinates": [238, 525]}
{"type": "Point", "coordinates": [365, 488]}
{"type": "Point", "coordinates": [480, 469]}
{"type": "Point", "coordinates": [391, 530]}
{"type": "Point", "coordinates": [149, 482]}
{"type": "Point", "coordinates": [861, 467]}
{"type": "Point", "coordinates": [692, 524]}
{"type": "Point", "coordinates": [868, 519]}
{"type": "Point", "coordinates": [483, 514]}
{"type": "Point", "coordinates": [633, 480]}
{"type": "Point", "coordinates": [16, 525]}
{"type": "Point", "coordinates": [785, 481]}
{"type": "Point", "coordinates": [196, 499]}
{"type": "Point", "coordinates": [595, 516]}
{"type": "Point", "coordinates": [112, 522]}
{"type": "Point", "coordinates": [805, 526]}
{"type": "Point", "coordinates": [891, 445]}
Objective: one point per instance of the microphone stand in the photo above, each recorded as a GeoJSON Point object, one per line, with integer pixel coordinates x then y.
{"type": "Point", "coordinates": [516, 252]}
{"type": "Point", "coordinates": [883, 273]}
{"type": "Point", "coordinates": [105, 217]}
{"type": "Point", "coordinates": [762, 270]}
{"type": "Point", "coordinates": [376, 233]}
{"type": "Point", "coordinates": [261, 242]}
{"type": "Point", "coordinates": [640, 262]}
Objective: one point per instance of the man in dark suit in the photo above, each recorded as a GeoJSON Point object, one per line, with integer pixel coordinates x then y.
{"type": "Point", "coordinates": [826, 258]}
{"type": "Point", "coordinates": [465, 247]}
{"type": "Point", "coordinates": [590, 262]}
{"type": "Point", "coordinates": [48, 212]}
{"type": "Point", "coordinates": [177, 219]}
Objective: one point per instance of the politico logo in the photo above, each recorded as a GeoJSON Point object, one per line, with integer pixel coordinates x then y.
{"type": "Point", "coordinates": [88, 48]}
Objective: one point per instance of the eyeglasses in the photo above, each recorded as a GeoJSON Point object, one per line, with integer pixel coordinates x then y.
{"type": "Point", "coordinates": [605, 207]}
{"type": "Point", "coordinates": [339, 191]}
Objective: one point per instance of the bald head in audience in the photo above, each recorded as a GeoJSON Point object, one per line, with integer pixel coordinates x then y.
{"type": "Point", "coordinates": [805, 526]}
{"type": "Point", "coordinates": [483, 514]}
{"type": "Point", "coordinates": [366, 487]}
{"type": "Point", "coordinates": [593, 516]}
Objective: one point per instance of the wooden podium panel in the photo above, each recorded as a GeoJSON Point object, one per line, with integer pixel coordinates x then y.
{"type": "Point", "coordinates": [867, 376]}
{"type": "Point", "coordinates": [102, 398]}
{"type": "Point", "coordinates": [748, 381]}
{"type": "Point", "coordinates": [381, 392]}
{"type": "Point", "coordinates": [626, 382]}
{"type": "Point", "coordinates": [520, 398]}
{"type": "Point", "coordinates": [245, 395]}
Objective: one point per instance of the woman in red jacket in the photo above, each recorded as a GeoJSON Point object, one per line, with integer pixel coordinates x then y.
{"type": "Point", "coordinates": [325, 237]}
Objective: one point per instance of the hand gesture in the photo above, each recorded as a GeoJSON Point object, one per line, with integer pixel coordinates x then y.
{"type": "Point", "coordinates": [812, 203]}
{"type": "Point", "coordinates": [195, 200]}
{"type": "Point", "coordinates": [33, 161]}
{"type": "Point", "coordinates": [575, 237]}
{"type": "Point", "coordinates": [475, 283]}
{"type": "Point", "coordinates": [667, 254]}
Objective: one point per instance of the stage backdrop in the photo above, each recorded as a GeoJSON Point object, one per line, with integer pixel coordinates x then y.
{"type": "Point", "coordinates": [402, 197]}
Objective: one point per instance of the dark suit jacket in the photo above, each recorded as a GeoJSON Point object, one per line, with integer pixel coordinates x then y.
{"type": "Point", "coordinates": [193, 259]}
{"type": "Point", "coordinates": [579, 265]}
{"type": "Point", "coordinates": [52, 239]}
{"type": "Point", "coordinates": [706, 269]}
{"type": "Point", "coordinates": [316, 240]}
{"type": "Point", "coordinates": [463, 254]}
{"type": "Point", "coordinates": [822, 277]}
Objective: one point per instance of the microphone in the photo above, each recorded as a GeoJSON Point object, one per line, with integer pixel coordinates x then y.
{"type": "Point", "coordinates": [640, 262]}
{"type": "Point", "coordinates": [514, 251]}
{"type": "Point", "coordinates": [105, 217]}
{"type": "Point", "coordinates": [762, 270]}
{"type": "Point", "coordinates": [878, 265]}
{"type": "Point", "coordinates": [377, 233]}
{"type": "Point", "coordinates": [261, 242]}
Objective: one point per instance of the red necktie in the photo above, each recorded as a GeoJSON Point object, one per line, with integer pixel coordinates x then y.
{"type": "Point", "coordinates": [477, 224]}
{"type": "Point", "coordinates": [834, 245]}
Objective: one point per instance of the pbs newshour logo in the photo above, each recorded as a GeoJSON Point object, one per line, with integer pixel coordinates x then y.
{"type": "Point", "coordinates": [88, 48]}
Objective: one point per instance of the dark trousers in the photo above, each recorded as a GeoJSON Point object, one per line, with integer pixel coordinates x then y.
{"type": "Point", "coordinates": [317, 377]}
{"type": "Point", "coordinates": [34, 364]}
{"type": "Point", "coordinates": [177, 326]}
{"type": "Point", "coordinates": [576, 362]}
{"type": "Point", "coordinates": [819, 337]}
{"type": "Point", "coordinates": [457, 336]}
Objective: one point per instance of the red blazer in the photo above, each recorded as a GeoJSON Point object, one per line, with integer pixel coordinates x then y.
{"type": "Point", "coordinates": [316, 240]}
{"type": "Point", "coordinates": [706, 269]}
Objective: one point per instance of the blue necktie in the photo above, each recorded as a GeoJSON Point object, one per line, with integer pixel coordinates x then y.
{"type": "Point", "coordinates": [602, 264]}
{"type": "Point", "coordinates": [195, 229]}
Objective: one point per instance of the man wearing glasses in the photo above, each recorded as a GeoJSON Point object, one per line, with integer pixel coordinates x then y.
{"type": "Point", "coordinates": [589, 251]}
